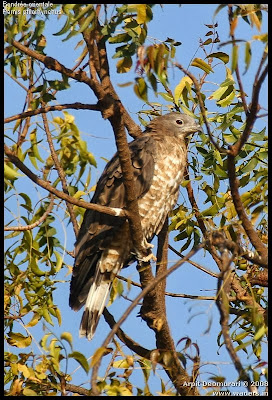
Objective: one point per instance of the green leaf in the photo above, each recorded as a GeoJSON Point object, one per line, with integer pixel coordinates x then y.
{"type": "Point", "coordinates": [120, 38]}
{"type": "Point", "coordinates": [199, 63]}
{"type": "Point", "coordinates": [249, 166]}
{"type": "Point", "coordinates": [64, 29]}
{"type": "Point", "coordinates": [81, 359]}
{"type": "Point", "coordinates": [68, 338]}
{"type": "Point", "coordinates": [140, 88]}
{"type": "Point", "coordinates": [124, 65]}
{"type": "Point", "coordinates": [211, 211]}
{"type": "Point", "coordinates": [29, 392]}
{"type": "Point", "coordinates": [166, 96]}
{"type": "Point", "coordinates": [10, 173]}
{"type": "Point", "coordinates": [220, 55]}
{"type": "Point", "coordinates": [234, 58]}
{"type": "Point", "coordinates": [247, 55]}
{"type": "Point", "coordinates": [87, 22]}
{"type": "Point", "coordinates": [260, 332]}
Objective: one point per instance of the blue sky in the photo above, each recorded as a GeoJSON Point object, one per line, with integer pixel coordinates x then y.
{"type": "Point", "coordinates": [187, 317]}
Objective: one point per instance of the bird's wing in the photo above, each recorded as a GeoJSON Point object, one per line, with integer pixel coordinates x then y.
{"type": "Point", "coordinates": [98, 229]}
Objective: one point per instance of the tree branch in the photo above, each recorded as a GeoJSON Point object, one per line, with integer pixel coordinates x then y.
{"type": "Point", "coordinates": [60, 173]}
{"type": "Point", "coordinates": [36, 223]}
{"type": "Point", "coordinates": [202, 106]}
{"type": "Point", "coordinates": [149, 287]}
{"type": "Point", "coordinates": [251, 116]}
{"type": "Point", "coordinates": [140, 245]}
{"type": "Point", "coordinates": [247, 225]}
{"type": "Point", "coordinates": [153, 311]}
{"type": "Point", "coordinates": [116, 212]}
{"type": "Point", "coordinates": [131, 344]}
{"type": "Point", "coordinates": [223, 290]}
{"type": "Point", "coordinates": [46, 109]}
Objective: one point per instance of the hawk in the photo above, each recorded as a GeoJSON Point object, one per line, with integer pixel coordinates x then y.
{"type": "Point", "coordinates": [104, 244]}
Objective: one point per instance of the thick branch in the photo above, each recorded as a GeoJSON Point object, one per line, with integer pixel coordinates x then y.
{"type": "Point", "coordinates": [116, 212]}
{"type": "Point", "coordinates": [153, 311]}
{"type": "Point", "coordinates": [138, 239]}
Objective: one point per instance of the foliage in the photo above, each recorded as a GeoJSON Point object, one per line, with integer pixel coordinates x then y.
{"type": "Point", "coordinates": [35, 259]}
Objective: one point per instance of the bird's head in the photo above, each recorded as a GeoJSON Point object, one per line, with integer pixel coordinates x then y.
{"type": "Point", "coordinates": [174, 124]}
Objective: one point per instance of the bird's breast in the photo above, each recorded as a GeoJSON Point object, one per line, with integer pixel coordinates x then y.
{"type": "Point", "coordinates": [163, 192]}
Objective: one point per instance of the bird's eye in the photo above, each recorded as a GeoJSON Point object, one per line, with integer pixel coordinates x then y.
{"type": "Point", "coordinates": [179, 121]}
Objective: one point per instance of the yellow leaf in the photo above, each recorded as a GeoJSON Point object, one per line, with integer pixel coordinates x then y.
{"type": "Point", "coordinates": [180, 87]}
{"type": "Point", "coordinates": [24, 370]}
{"type": "Point", "coordinates": [18, 340]}
{"type": "Point", "coordinates": [97, 355]}
{"type": "Point", "coordinates": [35, 319]}
{"type": "Point", "coordinates": [199, 63]}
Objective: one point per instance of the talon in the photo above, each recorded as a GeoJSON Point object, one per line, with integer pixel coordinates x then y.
{"type": "Point", "coordinates": [149, 257]}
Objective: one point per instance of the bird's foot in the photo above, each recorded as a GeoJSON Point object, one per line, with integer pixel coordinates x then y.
{"type": "Point", "coordinates": [150, 256]}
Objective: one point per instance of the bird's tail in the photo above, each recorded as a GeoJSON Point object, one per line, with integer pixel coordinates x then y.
{"type": "Point", "coordinates": [95, 304]}
{"type": "Point", "coordinates": [107, 268]}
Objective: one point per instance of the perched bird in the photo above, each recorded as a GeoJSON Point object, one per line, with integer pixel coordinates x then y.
{"type": "Point", "coordinates": [104, 245]}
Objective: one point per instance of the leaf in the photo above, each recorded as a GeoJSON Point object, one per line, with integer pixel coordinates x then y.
{"type": "Point", "coordinates": [140, 88]}
{"type": "Point", "coordinates": [121, 364]}
{"type": "Point", "coordinates": [211, 211]}
{"type": "Point", "coordinates": [120, 38]}
{"type": "Point", "coordinates": [64, 29]}
{"type": "Point", "coordinates": [10, 173]}
{"type": "Point", "coordinates": [180, 87]}
{"type": "Point", "coordinates": [34, 267]}
{"type": "Point", "coordinates": [208, 41]}
{"type": "Point", "coordinates": [199, 63]}
{"type": "Point", "coordinates": [247, 55]}
{"type": "Point", "coordinates": [29, 392]}
{"type": "Point", "coordinates": [221, 55]}
{"type": "Point", "coordinates": [67, 337]}
{"type": "Point", "coordinates": [124, 65]}
{"type": "Point", "coordinates": [260, 332]}
{"type": "Point", "coordinates": [166, 96]}
{"type": "Point", "coordinates": [249, 166]}
{"type": "Point", "coordinates": [35, 319]}
{"type": "Point", "coordinates": [87, 22]}
{"type": "Point", "coordinates": [19, 340]}
{"type": "Point", "coordinates": [234, 58]}
{"type": "Point", "coordinates": [97, 355]}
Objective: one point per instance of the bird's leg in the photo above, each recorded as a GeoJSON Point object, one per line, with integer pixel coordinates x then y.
{"type": "Point", "coordinates": [146, 258]}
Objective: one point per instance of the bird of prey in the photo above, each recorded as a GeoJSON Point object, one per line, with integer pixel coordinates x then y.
{"type": "Point", "coordinates": [104, 244]}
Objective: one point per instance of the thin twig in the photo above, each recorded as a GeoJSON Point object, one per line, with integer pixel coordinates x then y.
{"type": "Point", "coordinates": [247, 225]}
{"type": "Point", "coordinates": [202, 107]}
{"type": "Point", "coordinates": [130, 343]}
{"type": "Point", "coordinates": [223, 289]}
{"type": "Point", "coordinates": [61, 173]}
{"type": "Point", "coordinates": [36, 223]}
{"type": "Point", "coordinates": [215, 275]}
{"type": "Point", "coordinates": [46, 109]}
